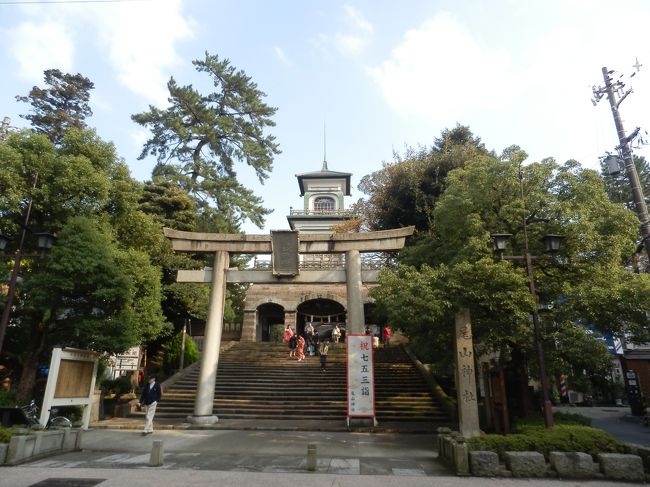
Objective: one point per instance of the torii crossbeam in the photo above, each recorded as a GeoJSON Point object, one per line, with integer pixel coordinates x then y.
{"type": "Point", "coordinates": [284, 247]}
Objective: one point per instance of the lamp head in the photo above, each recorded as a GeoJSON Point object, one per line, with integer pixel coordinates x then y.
{"type": "Point", "coordinates": [552, 242]}
{"type": "Point", "coordinates": [500, 240]}
{"type": "Point", "coordinates": [4, 240]}
{"type": "Point", "coordinates": [44, 241]}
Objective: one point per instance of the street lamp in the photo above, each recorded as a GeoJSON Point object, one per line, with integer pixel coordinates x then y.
{"type": "Point", "coordinates": [552, 245]}
{"type": "Point", "coordinates": [44, 242]}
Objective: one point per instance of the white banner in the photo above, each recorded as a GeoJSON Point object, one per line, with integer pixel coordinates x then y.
{"type": "Point", "coordinates": [361, 378]}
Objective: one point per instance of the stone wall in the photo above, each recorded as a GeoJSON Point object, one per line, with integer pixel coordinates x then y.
{"type": "Point", "coordinates": [290, 296]}
{"type": "Point", "coordinates": [453, 451]}
{"type": "Point", "coordinates": [23, 448]}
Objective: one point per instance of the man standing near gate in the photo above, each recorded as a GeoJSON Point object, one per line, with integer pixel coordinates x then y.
{"type": "Point", "coordinates": [151, 394]}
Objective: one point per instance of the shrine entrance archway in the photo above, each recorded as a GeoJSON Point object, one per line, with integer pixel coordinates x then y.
{"type": "Point", "coordinates": [320, 312]}
{"type": "Point", "coordinates": [268, 314]}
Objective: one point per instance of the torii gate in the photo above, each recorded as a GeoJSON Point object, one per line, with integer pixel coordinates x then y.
{"type": "Point", "coordinates": [285, 247]}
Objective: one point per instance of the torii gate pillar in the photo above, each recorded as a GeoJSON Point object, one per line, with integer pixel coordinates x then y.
{"type": "Point", "coordinates": [356, 320]}
{"type": "Point", "coordinates": [203, 406]}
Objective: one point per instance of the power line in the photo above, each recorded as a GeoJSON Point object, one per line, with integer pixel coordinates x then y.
{"type": "Point", "coordinates": [43, 2]}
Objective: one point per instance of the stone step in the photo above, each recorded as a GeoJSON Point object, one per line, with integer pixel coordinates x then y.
{"type": "Point", "coordinates": [256, 381]}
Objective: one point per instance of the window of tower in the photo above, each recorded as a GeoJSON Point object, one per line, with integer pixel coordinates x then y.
{"type": "Point", "coordinates": [323, 203]}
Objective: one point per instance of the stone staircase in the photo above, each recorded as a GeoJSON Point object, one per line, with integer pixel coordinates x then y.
{"type": "Point", "coordinates": [257, 381]}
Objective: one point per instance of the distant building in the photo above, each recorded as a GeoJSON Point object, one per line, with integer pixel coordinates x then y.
{"type": "Point", "coordinates": [636, 357]}
{"type": "Point", "coordinates": [296, 304]}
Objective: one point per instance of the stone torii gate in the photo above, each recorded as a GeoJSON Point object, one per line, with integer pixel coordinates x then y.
{"type": "Point", "coordinates": [285, 247]}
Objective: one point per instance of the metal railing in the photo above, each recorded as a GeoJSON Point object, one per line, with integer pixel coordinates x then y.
{"type": "Point", "coordinates": [347, 213]}
{"type": "Point", "coordinates": [369, 261]}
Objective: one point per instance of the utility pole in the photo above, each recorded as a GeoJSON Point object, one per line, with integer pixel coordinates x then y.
{"type": "Point", "coordinates": [624, 149]}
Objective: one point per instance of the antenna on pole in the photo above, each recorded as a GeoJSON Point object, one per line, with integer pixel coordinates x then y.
{"type": "Point", "coordinates": [324, 168]}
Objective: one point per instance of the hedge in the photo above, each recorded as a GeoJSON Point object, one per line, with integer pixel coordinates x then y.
{"type": "Point", "coordinates": [566, 438]}
{"type": "Point", "coordinates": [5, 434]}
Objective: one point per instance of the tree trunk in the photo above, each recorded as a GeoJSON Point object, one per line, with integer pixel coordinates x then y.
{"type": "Point", "coordinates": [30, 361]}
{"type": "Point", "coordinates": [27, 378]}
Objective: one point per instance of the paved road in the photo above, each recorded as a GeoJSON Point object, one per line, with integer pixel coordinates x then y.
{"type": "Point", "coordinates": [615, 420]}
{"type": "Point", "coordinates": [112, 458]}
{"type": "Point", "coordinates": [148, 477]}
{"type": "Point", "coordinates": [257, 451]}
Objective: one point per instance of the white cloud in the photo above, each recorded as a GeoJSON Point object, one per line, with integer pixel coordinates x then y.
{"type": "Point", "coordinates": [138, 38]}
{"type": "Point", "coordinates": [439, 71]}
{"type": "Point", "coordinates": [280, 54]}
{"type": "Point", "coordinates": [138, 137]}
{"type": "Point", "coordinates": [353, 40]}
{"type": "Point", "coordinates": [356, 19]}
{"type": "Point", "coordinates": [40, 46]}
{"type": "Point", "coordinates": [350, 44]}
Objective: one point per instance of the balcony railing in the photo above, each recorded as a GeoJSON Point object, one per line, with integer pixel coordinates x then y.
{"type": "Point", "coordinates": [369, 261]}
{"type": "Point", "coordinates": [344, 213]}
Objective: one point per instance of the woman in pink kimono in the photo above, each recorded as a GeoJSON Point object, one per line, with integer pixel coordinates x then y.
{"type": "Point", "coordinates": [300, 354]}
{"type": "Point", "coordinates": [288, 333]}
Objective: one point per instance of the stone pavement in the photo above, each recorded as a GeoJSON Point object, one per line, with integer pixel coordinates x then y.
{"type": "Point", "coordinates": [152, 477]}
{"type": "Point", "coordinates": [251, 458]}
{"type": "Point", "coordinates": [256, 451]}
{"type": "Point", "coordinates": [266, 454]}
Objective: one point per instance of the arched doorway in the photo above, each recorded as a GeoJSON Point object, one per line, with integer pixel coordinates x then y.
{"type": "Point", "coordinates": [268, 314]}
{"type": "Point", "coordinates": [374, 322]}
{"type": "Point", "coordinates": [322, 313]}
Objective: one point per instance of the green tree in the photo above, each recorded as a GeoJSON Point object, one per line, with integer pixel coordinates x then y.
{"type": "Point", "coordinates": [579, 353]}
{"type": "Point", "coordinates": [199, 138]}
{"type": "Point", "coordinates": [405, 192]}
{"type": "Point", "coordinates": [586, 283]}
{"type": "Point", "coordinates": [97, 287]}
{"type": "Point", "coordinates": [61, 105]}
{"type": "Point", "coordinates": [170, 354]}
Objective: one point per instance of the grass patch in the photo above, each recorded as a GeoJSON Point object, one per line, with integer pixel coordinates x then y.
{"type": "Point", "coordinates": [521, 424]}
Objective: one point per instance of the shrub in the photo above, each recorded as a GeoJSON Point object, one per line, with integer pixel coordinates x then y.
{"type": "Point", "coordinates": [5, 434]}
{"type": "Point", "coordinates": [121, 385]}
{"type": "Point", "coordinates": [277, 333]}
{"type": "Point", "coordinates": [566, 438]}
{"type": "Point", "coordinates": [171, 352]}
{"type": "Point", "coordinates": [7, 398]}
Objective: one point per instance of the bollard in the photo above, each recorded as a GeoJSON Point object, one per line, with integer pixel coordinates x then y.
{"type": "Point", "coordinates": [311, 457]}
{"type": "Point", "coordinates": [156, 458]}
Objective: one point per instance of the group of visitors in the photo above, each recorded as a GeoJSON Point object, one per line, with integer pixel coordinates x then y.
{"type": "Point", "coordinates": [297, 342]}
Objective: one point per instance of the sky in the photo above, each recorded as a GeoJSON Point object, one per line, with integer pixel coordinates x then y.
{"type": "Point", "coordinates": [379, 75]}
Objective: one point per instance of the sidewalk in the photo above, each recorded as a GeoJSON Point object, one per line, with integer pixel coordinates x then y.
{"type": "Point", "coordinates": [193, 458]}
{"type": "Point", "coordinates": [136, 422]}
{"type": "Point", "coordinates": [256, 451]}
{"type": "Point", "coordinates": [26, 477]}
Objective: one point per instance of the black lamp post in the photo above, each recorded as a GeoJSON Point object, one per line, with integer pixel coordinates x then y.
{"type": "Point", "coordinates": [44, 242]}
{"type": "Point", "coordinates": [552, 245]}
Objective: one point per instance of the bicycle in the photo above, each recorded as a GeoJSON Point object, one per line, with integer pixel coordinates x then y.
{"type": "Point", "coordinates": [54, 422]}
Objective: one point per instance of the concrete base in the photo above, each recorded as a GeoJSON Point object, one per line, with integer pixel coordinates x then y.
{"type": "Point", "coordinates": [354, 423]}
{"type": "Point", "coordinates": [203, 420]}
